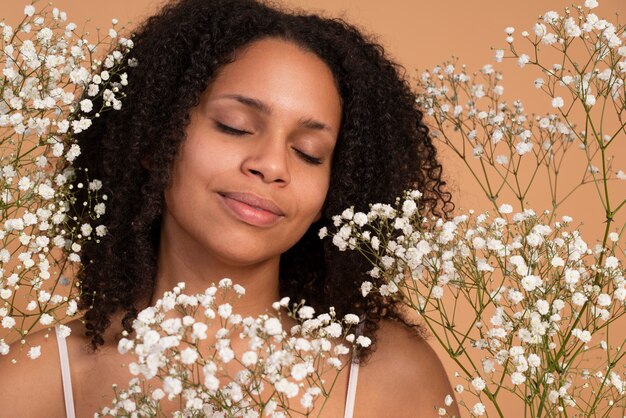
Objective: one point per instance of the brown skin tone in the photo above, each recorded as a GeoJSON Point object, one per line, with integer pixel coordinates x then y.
{"type": "Point", "coordinates": [286, 102]}
{"type": "Point", "coordinates": [201, 239]}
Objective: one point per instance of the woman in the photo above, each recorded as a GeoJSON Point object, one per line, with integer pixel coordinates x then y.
{"type": "Point", "coordinates": [244, 129]}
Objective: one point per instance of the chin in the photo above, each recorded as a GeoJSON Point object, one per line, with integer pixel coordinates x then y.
{"type": "Point", "coordinates": [245, 255]}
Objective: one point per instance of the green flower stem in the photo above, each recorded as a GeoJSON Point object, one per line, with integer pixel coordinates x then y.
{"type": "Point", "coordinates": [486, 391]}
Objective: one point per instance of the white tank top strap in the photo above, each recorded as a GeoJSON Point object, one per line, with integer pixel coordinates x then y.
{"type": "Point", "coordinates": [351, 395]}
{"type": "Point", "coordinates": [353, 379]}
{"type": "Point", "coordinates": [65, 374]}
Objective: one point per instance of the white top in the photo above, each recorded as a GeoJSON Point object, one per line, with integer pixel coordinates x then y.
{"type": "Point", "coordinates": [69, 397]}
{"type": "Point", "coordinates": [65, 374]}
{"type": "Point", "coordinates": [351, 395]}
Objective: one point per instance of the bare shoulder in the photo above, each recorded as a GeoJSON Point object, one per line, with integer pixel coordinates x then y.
{"type": "Point", "coordinates": [33, 385]}
{"type": "Point", "coordinates": [404, 376]}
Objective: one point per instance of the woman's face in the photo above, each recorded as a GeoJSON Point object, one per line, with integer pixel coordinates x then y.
{"type": "Point", "coordinates": [253, 171]}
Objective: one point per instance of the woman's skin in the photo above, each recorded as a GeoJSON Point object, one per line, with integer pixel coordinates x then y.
{"type": "Point", "coordinates": [285, 103]}
{"type": "Point", "coordinates": [263, 135]}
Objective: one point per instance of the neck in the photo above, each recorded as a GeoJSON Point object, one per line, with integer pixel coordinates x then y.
{"type": "Point", "coordinates": [184, 260]}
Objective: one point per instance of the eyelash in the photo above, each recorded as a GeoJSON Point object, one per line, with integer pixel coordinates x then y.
{"type": "Point", "coordinates": [309, 159]}
{"type": "Point", "coordinates": [232, 131]}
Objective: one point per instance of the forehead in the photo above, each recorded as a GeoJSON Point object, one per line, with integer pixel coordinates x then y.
{"type": "Point", "coordinates": [282, 75]}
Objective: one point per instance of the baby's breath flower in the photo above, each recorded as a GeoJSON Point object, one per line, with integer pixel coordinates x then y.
{"type": "Point", "coordinates": [189, 356]}
{"type": "Point", "coordinates": [360, 218]}
{"type": "Point", "coordinates": [557, 102]}
{"type": "Point", "coordinates": [523, 60]}
{"type": "Point", "coordinates": [172, 386]}
{"type": "Point", "coordinates": [363, 341]}
{"type": "Point", "coordinates": [517, 378]}
{"type": "Point", "coordinates": [351, 319]}
{"type": "Point", "coordinates": [249, 358]}
{"type": "Point", "coordinates": [583, 335]}
{"type": "Point", "coordinates": [29, 10]}
{"type": "Point", "coordinates": [225, 310]}
{"type": "Point", "coordinates": [478, 384]}
{"type": "Point", "coordinates": [523, 147]}
{"type": "Point", "coordinates": [611, 262]}
{"type": "Point", "coordinates": [125, 345]}
{"type": "Point", "coordinates": [306, 312]}
{"type": "Point", "coordinates": [604, 299]}
{"type": "Point", "coordinates": [273, 326]}
{"type": "Point", "coordinates": [34, 352]}
{"type": "Point", "coordinates": [502, 159]}
{"type": "Point", "coordinates": [334, 330]}
{"type": "Point", "coordinates": [478, 409]}
{"type": "Point", "coordinates": [8, 322]}
{"type": "Point", "coordinates": [46, 319]}
{"type": "Point", "coordinates": [366, 288]}
{"type": "Point", "coordinates": [437, 292]}
{"type": "Point", "coordinates": [86, 105]}
{"type": "Point", "coordinates": [505, 208]}
{"type": "Point", "coordinates": [488, 366]}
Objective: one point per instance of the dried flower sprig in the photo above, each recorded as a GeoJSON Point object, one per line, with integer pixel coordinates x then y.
{"type": "Point", "coordinates": [51, 78]}
{"type": "Point", "coordinates": [581, 64]}
{"type": "Point", "coordinates": [249, 367]}
{"type": "Point", "coordinates": [543, 300]}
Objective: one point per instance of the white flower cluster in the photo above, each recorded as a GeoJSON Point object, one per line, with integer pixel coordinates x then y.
{"type": "Point", "coordinates": [539, 292]}
{"type": "Point", "coordinates": [220, 364]}
{"type": "Point", "coordinates": [607, 55]}
{"type": "Point", "coordinates": [472, 118]}
{"type": "Point", "coordinates": [46, 67]}
{"type": "Point", "coordinates": [542, 297]}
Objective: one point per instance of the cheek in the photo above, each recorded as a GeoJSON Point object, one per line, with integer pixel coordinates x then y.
{"type": "Point", "coordinates": [198, 164]}
{"type": "Point", "coordinates": [184, 178]}
{"type": "Point", "coordinates": [315, 190]}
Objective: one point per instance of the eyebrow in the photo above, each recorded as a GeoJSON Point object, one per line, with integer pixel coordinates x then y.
{"type": "Point", "coordinates": [256, 104]}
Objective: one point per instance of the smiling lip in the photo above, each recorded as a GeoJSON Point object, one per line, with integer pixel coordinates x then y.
{"type": "Point", "coordinates": [252, 209]}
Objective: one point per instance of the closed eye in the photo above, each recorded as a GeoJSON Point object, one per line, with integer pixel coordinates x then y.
{"type": "Point", "coordinates": [231, 131]}
{"type": "Point", "coordinates": [308, 158]}
{"type": "Point", "coordinates": [237, 132]}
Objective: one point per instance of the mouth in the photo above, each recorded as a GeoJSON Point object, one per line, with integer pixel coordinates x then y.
{"type": "Point", "coordinates": [252, 209]}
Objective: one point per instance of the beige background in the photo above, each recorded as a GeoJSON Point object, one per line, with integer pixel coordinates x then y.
{"type": "Point", "coordinates": [417, 34]}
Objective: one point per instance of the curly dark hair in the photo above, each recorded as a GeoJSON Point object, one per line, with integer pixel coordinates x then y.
{"type": "Point", "coordinates": [383, 148]}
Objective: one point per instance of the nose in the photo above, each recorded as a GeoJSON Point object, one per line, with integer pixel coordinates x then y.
{"type": "Point", "coordinates": [268, 160]}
